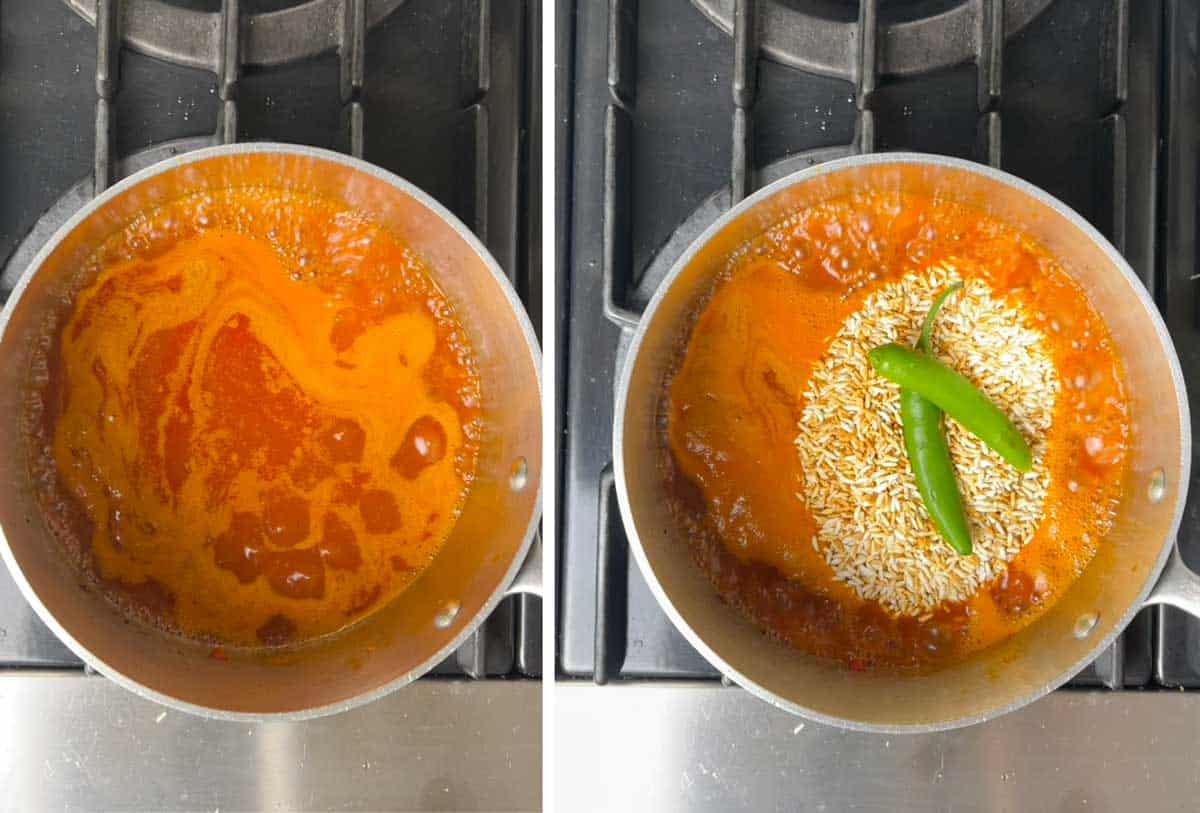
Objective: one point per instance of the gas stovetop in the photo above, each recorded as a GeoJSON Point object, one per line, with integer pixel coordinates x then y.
{"type": "Point", "coordinates": [675, 109]}
{"type": "Point", "coordinates": [437, 92]}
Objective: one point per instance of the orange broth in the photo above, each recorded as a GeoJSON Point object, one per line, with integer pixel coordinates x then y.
{"type": "Point", "coordinates": [258, 419]}
{"type": "Point", "coordinates": [735, 400]}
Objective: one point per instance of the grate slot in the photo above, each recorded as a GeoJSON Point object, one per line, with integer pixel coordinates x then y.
{"type": "Point", "coordinates": [472, 655]}
{"type": "Point", "coordinates": [622, 50]}
{"type": "Point", "coordinates": [866, 75]}
{"type": "Point", "coordinates": [612, 566]}
{"type": "Point", "coordinates": [1114, 82]}
{"type": "Point", "coordinates": [617, 253]}
{"type": "Point", "coordinates": [480, 112]}
{"type": "Point", "coordinates": [988, 141]}
{"type": "Point", "coordinates": [745, 86]}
{"type": "Point", "coordinates": [474, 82]}
{"type": "Point", "coordinates": [477, 125]}
{"type": "Point", "coordinates": [351, 67]}
{"type": "Point", "coordinates": [1114, 55]}
{"type": "Point", "coordinates": [108, 71]}
{"type": "Point", "coordinates": [529, 636]}
{"type": "Point", "coordinates": [229, 69]}
{"type": "Point", "coordinates": [990, 59]}
{"type": "Point", "coordinates": [476, 63]}
{"type": "Point", "coordinates": [617, 226]}
{"type": "Point", "coordinates": [989, 64]}
{"type": "Point", "coordinates": [1114, 175]}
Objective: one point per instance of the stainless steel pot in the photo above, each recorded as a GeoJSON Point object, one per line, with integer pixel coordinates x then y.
{"type": "Point", "coordinates": [1136, 566]}
{"type": "Point", "coordinates": [474, 570]}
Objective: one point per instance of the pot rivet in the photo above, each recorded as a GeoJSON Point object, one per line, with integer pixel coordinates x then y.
{"type": "Point", "coordinates": [518, 478]}
{"type": "Point", "coordinates": [1158, 486]}
{"type": "Point", "coordinates": [447, 615]}
{"type": "Point", "coordinates": [1085, 624]}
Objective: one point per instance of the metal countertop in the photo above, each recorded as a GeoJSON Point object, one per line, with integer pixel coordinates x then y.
{"type": "Point", "coordinates": [72, 741]}
{"type": "Point", "coordinates": [701, 746]}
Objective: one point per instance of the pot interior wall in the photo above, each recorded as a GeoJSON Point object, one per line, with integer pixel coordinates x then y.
{"type": "Point", "coordinates": [1039, 658]}
{"type": "Point", "coordinates": [395, 643]}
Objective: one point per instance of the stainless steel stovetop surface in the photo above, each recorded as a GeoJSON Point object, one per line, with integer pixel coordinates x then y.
{"type": "Point", "coordinates": [704, 747]}
{"type": "Point", "coordinates": [70, 741]}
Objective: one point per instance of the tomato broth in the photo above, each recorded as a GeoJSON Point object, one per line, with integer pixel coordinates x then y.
{"type": "Point", "coordinates": [257, 421]}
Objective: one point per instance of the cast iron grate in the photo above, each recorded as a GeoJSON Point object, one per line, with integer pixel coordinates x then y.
{"type": "Point", "coordinates": [912, 37]}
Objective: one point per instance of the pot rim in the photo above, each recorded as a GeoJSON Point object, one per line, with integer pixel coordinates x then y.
{"type": "Point", "coordinates": [927, 159]}
{"type": "Point", "coordinates": [526, 328]}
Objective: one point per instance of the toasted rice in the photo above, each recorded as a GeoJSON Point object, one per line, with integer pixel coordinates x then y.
{"type": "Point", "coordinates": [873, 529]}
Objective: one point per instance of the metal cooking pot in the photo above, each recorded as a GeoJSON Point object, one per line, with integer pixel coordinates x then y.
{"type": "Point", "coordinates": [399, 642]}
{"type": "Point", "coordinates": [1137, 565]}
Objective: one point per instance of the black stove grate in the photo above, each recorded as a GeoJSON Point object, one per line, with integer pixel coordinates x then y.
{"type": "Point", "coordinates": [1067, 96]}
{"type": "Point", "coordinates": [451, 92]}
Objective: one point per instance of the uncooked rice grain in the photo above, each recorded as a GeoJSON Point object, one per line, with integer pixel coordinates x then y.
{"type": "Point", "coordinates": [872, 528]}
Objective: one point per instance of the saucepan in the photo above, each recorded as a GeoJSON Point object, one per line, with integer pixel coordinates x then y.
{"type": "Point", "coordinates": [475, 569]}
{"type": "Point", "coordinates": [1137, 566]}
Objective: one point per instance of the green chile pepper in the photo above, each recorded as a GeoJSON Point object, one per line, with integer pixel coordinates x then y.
{"type": "Point", "coordinates": [956, 396]}
{"type": "Point", "coordinates": [929, 454]}
{"type": "Point", "coordinates": [923, 343]}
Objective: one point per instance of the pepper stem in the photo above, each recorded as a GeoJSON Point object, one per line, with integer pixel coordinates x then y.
{"type": "Point", "coordinates": [923, 343]}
